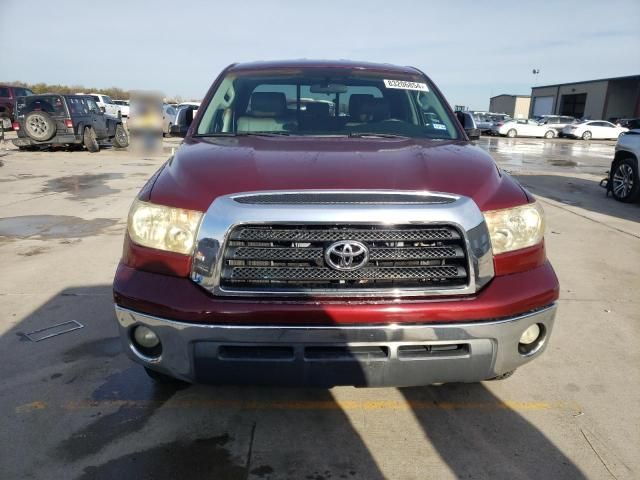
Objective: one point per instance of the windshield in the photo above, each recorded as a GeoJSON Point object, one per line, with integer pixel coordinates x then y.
{"type": "Point", "coordinates": [318, 102]}
{"type": "Point", "coordinates": [21, 92]}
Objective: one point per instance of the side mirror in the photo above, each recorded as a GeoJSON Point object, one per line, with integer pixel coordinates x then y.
{"type": "Point", "coordinates": [466, 120]}
{"type": "Point", "coordinates": [473, 133]}
{"type": "Point", "coordinates": [178, 131]}
{"type": "Point", "coordinates": [102, 109]}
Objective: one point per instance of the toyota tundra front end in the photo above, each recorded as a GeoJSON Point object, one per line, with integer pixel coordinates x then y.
{"type": "Point", "coordinates": [329, 223]}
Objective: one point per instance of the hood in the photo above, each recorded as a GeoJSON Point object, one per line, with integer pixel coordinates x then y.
{"type": "Point", "coordinates": [203, 169]}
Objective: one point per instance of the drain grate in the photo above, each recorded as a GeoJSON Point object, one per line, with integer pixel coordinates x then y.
{"type": "Point", "coordinates": [53, 331]}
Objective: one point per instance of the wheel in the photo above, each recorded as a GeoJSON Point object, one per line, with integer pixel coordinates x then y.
{"type": "Point", "coordinates": [89, 140]}
{"type": "Point", "coordinates": [502, 376]}
{"type": "Point", "coordinates": [549, 134]}
{"type": "Point", "coordinates": [512, 133]}
{"type": "Point", "coordinates": [39, 126]}
{"type": "Point", "coordinates": [586, 135]}
{"type": "Point", "coordinates": [168, 132]}
{"type": "Point", "coordinates": [625, 182]}
{"type": "Point", "coordinates": [164, 379]}
{"type": "Point", "coordinates": [121, 140]}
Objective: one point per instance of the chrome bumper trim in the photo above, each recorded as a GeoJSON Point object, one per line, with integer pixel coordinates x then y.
{"type": "Point", "coordinates": [492, 349]}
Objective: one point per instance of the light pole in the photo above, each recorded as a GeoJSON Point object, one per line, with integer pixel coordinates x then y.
{"type": "Point", "coordinates": [535, 72]}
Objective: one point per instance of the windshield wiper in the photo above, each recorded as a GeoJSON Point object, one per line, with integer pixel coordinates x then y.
{"type": "Point", "coordinates": [375, 134]}
{"type": "Point", "coordinates": [263, 134]}
{"type": "Point", "coordinates": [242, 134]}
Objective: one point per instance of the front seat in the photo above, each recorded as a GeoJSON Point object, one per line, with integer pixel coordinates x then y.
{"type": "Point", "coordinates": [267, 113]}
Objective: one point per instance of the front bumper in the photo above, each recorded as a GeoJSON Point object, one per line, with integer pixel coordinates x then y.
{"type": "Point", "coordinates": [371, 355]}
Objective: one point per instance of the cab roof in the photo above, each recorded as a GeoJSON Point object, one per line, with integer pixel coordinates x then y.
{"type": "Point", "coordinates": [307, 63]}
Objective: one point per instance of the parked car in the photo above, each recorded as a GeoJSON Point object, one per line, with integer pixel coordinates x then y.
{"type": "Point", "coordinates": [486, 121]}
{"type": "Point", "coordinates": [168, 118]}
{"type": "Point", "coordinates": [373, 248]}
{"type": "Point", "coordinates": [105, 104]}
{"type": "Point", "coordinates": [51, 119]}
{"type": "Point", "coordinates": [124, 107]}
{"type": "Point", "coordinates": [524, 128]}
{"type": "Point", "coordinates": [8, 95]}
{"type": "Point", "coordinates": [630, 123]}
{"type": "Point", "coordinates": [596, 129]}
{"type": "Point", "coordinates": [623, 179]}
{"type": "Point", "coordinates": [557, 122]}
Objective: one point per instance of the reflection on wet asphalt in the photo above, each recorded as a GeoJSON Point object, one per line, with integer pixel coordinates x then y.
{"type": "Point", "coordinates": [82, 187]}
{"type": "Point", "coordinates": [559, 155]}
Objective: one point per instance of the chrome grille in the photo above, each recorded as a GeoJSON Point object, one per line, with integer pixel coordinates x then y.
{"type": "Point", "coordinates": [291, 257]}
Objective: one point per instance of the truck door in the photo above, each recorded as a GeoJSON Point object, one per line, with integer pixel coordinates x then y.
{"type": "Point", "coordinates": [98, 119]}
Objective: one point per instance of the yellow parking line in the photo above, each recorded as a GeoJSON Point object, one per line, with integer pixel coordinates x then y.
{"type": "Point", "coordinates": [29, 407]}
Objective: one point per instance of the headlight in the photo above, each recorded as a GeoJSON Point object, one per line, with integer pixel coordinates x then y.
{"type": "Point", "coordinates": [164, 228]}
{"type": "Point", "coordinates": [515, 228]}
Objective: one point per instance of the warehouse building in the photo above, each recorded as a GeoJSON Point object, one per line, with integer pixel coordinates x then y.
{"type": "Point", "coordinates": [604, 99]}
{"type": "Point", "coordinates": [516, 106]}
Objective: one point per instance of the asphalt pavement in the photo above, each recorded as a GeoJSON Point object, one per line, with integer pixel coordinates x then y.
{"type": "Point", "coordinates": [74, 406]}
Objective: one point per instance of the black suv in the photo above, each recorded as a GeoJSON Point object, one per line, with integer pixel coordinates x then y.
{"type": "Point", "coordinates": [52, 119]}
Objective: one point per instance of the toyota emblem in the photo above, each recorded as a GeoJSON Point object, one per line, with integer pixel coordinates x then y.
{"type": "Point", "coordinates": [346, 255]}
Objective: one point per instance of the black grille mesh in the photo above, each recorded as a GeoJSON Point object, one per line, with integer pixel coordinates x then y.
{"type": "Point", "coordinates": [291, 258]}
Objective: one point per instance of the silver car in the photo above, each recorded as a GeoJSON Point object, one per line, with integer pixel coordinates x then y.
{"type": "Point", "coordinates": [169, 113]}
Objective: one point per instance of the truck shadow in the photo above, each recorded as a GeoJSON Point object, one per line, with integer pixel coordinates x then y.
{"type": "Point", "coordinates": [105, 419]}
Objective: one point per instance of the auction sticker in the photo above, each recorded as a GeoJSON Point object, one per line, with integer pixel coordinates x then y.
{"type": "Point", "coordinates": [405, 85]}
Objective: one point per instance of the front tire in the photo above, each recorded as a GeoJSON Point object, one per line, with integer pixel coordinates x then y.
{"type": "Point", "coordinates": [90, 141]}
{"type": "Point", "coordinates": [625, 181]}
{"type": "Point", "coordinates": [121, 140]}
{"type": "Point", "coordinates": [512, 133]}
{"type": "Point", "coordinates": [549, 134]}
{"type": "Point", "coordinates": [587, 135]}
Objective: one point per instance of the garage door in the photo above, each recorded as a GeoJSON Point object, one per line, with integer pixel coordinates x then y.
{"type": "Point", "coordinates": [542, 106]}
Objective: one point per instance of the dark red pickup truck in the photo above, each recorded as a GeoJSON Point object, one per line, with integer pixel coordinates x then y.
{"type": "Point", "coordinates": [329, 223]}
{"type": "Point", "coordinates": [8, 95]}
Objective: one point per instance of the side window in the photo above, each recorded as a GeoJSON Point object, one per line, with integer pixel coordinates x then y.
{"type": "Point", "coordinates": [4, 92]}
{"type": "Point", "coordinates": [93, 107]}
{"type": "Point", "coordinates": [96, 98]}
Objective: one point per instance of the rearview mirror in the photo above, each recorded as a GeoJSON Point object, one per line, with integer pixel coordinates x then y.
{"type": "Point", "coordinates": [329, 88]}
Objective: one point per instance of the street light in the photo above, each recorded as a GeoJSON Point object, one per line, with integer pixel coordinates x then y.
{"type": "Point", "coordinates": [535, 72]}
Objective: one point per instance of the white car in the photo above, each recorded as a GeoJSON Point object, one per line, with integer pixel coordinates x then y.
{"type": "Point", "coordinates": [105, 104]}
{"type": "Point", "coordinates": [124, 107]}
{"type": "Point", "coordinates": [523, 128]}
{"type": "Point", "coordinates": [589, 129]}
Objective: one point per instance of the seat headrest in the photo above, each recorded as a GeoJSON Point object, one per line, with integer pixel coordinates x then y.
{"type": "Point", "coordinates": [268, 104]}
{"type": "Point", "coordinates": [319, 109]}
{"type": "Point", "coordinates": [355, 102]}
{"type": "Point", "coordinates": [375, 109]}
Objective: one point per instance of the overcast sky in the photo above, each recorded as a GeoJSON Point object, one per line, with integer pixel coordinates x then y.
{"type": "Point", "coordinates": [471, 49]}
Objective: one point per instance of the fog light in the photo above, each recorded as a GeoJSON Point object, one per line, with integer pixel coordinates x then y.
{"type": "Point", "coordinates": [145, 337]}
{"type": "Point", "coordinates": [530, 335]}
